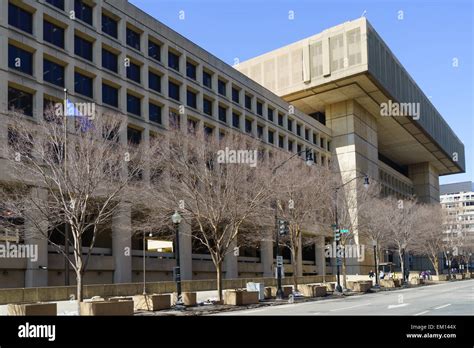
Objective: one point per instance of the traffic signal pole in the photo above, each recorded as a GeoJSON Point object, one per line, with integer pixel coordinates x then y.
{"type": "Point", "coordinates": [279, 293]}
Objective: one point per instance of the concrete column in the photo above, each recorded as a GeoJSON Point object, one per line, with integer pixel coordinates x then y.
{"type": "Point", "coordinates": [35, 276]}
{"type": "Point", "coordinates": [185, 251]}
{"type": "Point", "coordinates": [266, 257]}
{"type": "Point", "coordinates": [122, 243]}
{"type": "Point", "coordinates": [231, 267]}
{"type": "Point", "coordinates": [320, 259]}
{"type": "Point", "coordinates": [425, 182]}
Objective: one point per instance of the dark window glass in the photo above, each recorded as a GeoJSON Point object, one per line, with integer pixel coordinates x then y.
{"type": "Point", "coordinates": [154, 50]}
{"type": "Point", "coordinates": [290, 145]}
{"type": "Point", "coordinates": [259, 108]}
{"type": "Point", "coordinates": [222, 114]}
{"type": "Point", "coordinates": [235, 120]}
{"type": "Point", "coordinates": [321, 142]}
{"type": "Point", "coordinates": [206, 79]}
{"type": "Point", "coordinates": [221, 87]}
{"type": "Point", "coordinates": [109, 25]}
{"type": "Point", "coordinates": [235, 95]}
{"type": "Point", "coordinates": [20, 18]}
{"type": "Point", "coordinates": [109, 60]}
{"type": "Point", "coordinates": [270, 114]}
{"type": "Point", "coordinates": [83, 84]}
{"type": "Point", "coordinates": [191, 99]}
{"type": "Point", "coordinates": [20, 101]}
{"type": "Point", "coordinates": [207, 106]}
{"type": "Point", "coordinates": [173, 61]}
{"type": "Point", "coordinates": [298, 129]}
{"type": "Point", "coordinates": [259, 131]}
{"type": "Point", "coordinates": [154, 113]}
{"type": "Point", "coordinates": [290, 125]}
{"type": "Point", "coordinates": [248, 102]}
{"type": "Point", "coordinates": [281, 141]}
{"type": "Point", "coordinates": [109, 95]}
{"type": "Point", "coordinates": [154, 81]}
{"type": "Point", "coordinates": [133, 72]}
{"type": "Point", "coordinates": [173, 90]}
{"type": "Point", "coordinates": [134, 105]}
{"type": "Point", "coordinates": [271, 137]}
{"type": "Point", "coordinates": [299, 149]}
{"type": "Point", "coordinates": [53, 34]}
{"type": "Point", "coordinates": [208, 131]}
{"type": "Point", "coordinates": [134, 136]}
{"type": "Point", "coordinates": [133, 39]}
{"type": "Point", "coordinates": [83, 11]}
{"type": "Point", "coordinates": [314, 139]}
{"type": "Point", "coordinates": [20, 59]}
{"type": "Point", "coordinates": [306, 134]}
{"type": "Point", "coordinates": [248, 125]}
{"type": "Point", "coordinates": [280, 120]}
{"type": "Point", "coordinates": [83, 48]}
{"type": "Point", "coordinates": [57, 3]}
{"type": "Point", "coordinates": [53, 73]}
{"type": "Point", "coordinates": [192, 126]}
{"type": "Point", "coordinates": [174, 120]}
{"type": "Point", "coordinates": [191, 70]}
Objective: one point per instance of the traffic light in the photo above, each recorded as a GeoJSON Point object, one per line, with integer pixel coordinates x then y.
{"type": "Point", "coordinates": [337, 235]}
{"type": "Point", "coordinates": [283, 227]}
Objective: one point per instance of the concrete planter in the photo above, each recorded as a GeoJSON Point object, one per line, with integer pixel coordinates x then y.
{"type": "Point", "coordinates": [32, 309]}
{"type": "Point", "coordinates": [330, 286]}
{"type": "Point", "coordinates": [441, 277]}
{"type": "Point", "coordinates": [96, 308]}
{"type": "Point", "coordinates": [360, 286]}
{"type": "Point", "coordinates": [416, 281]}
{"type": "Point", "coordinates": [240, 297]}
{"type": "Point", "coordinates": [459, 276]}
{"type": "Point", "coordinates": [390, 283]}
{"type": "Point", "coordinates": [189, 298]}
{"type": "Point", "coordinates": [152, 302]}
{"type": "Point", "coordinates": [467, 275]}
{"type": "Point", "coordinates": [287, 291]}
{"type": "Point", "coordinates": [313, 290]}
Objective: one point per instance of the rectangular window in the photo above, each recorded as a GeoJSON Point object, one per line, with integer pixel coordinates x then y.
{"type": "Point", "coordinates": [83, 48]}
{"type": "Point", "coordinates": [248, 102]}
{"type": "Point", "coordinates": [20, 59]}
{"type": "Point", "coordinates": [133, 72]}
{"type": "Point", "coordinates": [221, 87]}
{"type": "Point", "coordinates": [174, 120]}
{"type": "Point", "coordinates": [270, 114]}
{"type": "Point", "coordinates": [154, 81]}
{"type": "Point", "coordinates": [133, 39]}
{"type": "Point", "coordinates": [109, 25]}
{"type": "Point", "coordinates": [235, 120]}
{"type": "Point", "coordinates": [20, 101]}
{"type": "Point", "coordinates": [321, 142]}
{"type": "Point", "coordinates": [109, 95]}
{"type": "Point", "coordinates": [154, 51]}
{"type": "Point", "coordinates": [134, 136]}
{"type": "Point", "coordinates": [259, 108]}
{"type": "Point", "coordinates": [306, 134]}
{"type": "Point", "coordinates": [191, 99]}
{"type": "Point", "coordinates": [281, 141]}
{"type": "Point", "coordinates": [290, 145]}
{"type": "Point", "coordinates": [154, 113]}
{"type": "Point", "coordinates": [53, 34]}
{"type": "Point", "coordinates": [20, 18]}
{"type": "Point", "coordinates": [248, 125]}
{"type": "Point", "coordinates": [109, 60]}
{"type": "Point", "coordinates": [134, 105]}
{"type": "Point", "coordinates": [192, 126]}
{"type": "Point", "coordinates": [207, 106]}
{"type": "Point", "coordinates": [53, 73]}
{"type": "Point", "coordinates": [173, 61]}
{"type": "Point", "coordinates": [280, 119]}
{"type": "Point", "coordinates": [259, 131]}
{"type": "Point", "coordinates": [83, 11]}
{"type": "Point", "coordinates": [83, 84]}
{"type": "Point", "coordinates": [271, 137]}
{"type": "Point", "coordinates": [208, 131]}
{"type": "Point", "coordinates": [222, 114]}
{"type": "Point", "coordinates": [290, 125]}
{"type": "Point", "coordinates": [57, 3]}
{"type": "Point", "coordinates": [191, 70]}
{"type": "Point", "coordinates": [173, 90]}
{"type": "Point", "coordinates": [298, 129]}
{"type": "Point", "coordinates": [235, 95]}
{"type": "Point", "coordinates": [299, 149]}
{"type": "Point", "coordinates": [315, 141]}
{"type": "Point", "coordinates": [206, 79]}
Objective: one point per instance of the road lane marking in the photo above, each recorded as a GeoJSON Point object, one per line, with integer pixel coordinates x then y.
{"type": "Point", "coordinates": [341, 309]}
{"type": "Point", "coordinates": [421, 313]}
{"type": "Point", "coordinates": [397, 305]}
{"type": "Point", "coordinates": [443, 306]}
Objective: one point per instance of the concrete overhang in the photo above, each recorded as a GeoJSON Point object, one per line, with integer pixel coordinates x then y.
{"type": "Point", "coordinates": [351, 61]}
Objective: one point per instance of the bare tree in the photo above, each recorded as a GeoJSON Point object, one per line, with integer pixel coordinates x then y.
{"type": "Point", "coordinates": [221, 187]}
{"type": "Point", "coordinates": [81, 174]}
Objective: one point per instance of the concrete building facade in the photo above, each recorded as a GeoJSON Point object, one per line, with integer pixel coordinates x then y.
{"type": "Point", "coordinates": [323, 93]}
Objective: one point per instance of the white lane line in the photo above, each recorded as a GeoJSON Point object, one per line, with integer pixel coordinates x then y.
{"type": "Point", "coordinates": [316, 313]}
{"type": "Point", "coordinates": [443, 306]}
{"type": "Point", "coordinates": [421, 313]}
{"type": "Point", "coordinates": [398, 305]}
{"type": "Point", "coordinates": [341, 309]}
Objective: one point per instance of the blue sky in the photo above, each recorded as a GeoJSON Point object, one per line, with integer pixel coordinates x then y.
{"type": "Point", "coordinates": [431, 34]}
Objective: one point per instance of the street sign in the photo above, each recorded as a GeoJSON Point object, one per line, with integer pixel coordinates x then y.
{"type": "Point", "coordinates": [279, 261]}
{"type": "Point", "coordinates": [344, 231]}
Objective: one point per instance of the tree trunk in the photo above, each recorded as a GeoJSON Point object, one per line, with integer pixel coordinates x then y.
{"type": "Point", "coordinates": [219, 280]}
{"type": "Point", "coordinates": [294, 261]}
{"type": "Point", "coordinates": [402, 265]}
{"type": "Point", "coordinates": [344, 271]}
{"type": "Point", "coordinates": [79, 290]}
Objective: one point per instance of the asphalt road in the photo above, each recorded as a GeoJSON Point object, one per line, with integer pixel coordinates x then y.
{"type": "Point", "coordinates": [453, 298]}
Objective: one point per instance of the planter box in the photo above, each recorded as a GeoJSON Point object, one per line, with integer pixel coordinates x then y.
{"type": "Point", "coordinates": [107, 308]}
{"type": "Point", "coordinates": [467, 275]}
{"type": "Point", "coordinates": [152, 302]}
{"type": "Point", "coordinates": [189, 298]}
{"type": "Point", "coordinates": [268, 292]}
{"type": "Point", "coordinates": [32, 309]}
{"type": "Point", "coordinates": [416, 281]}
{"type": "Point", "coordinates": [313, 290]}
{"type": "Point", "coordinates": [287, 291]}
{"type": "Point", "coordinates": [458, 276]}
{"type": "Point", "coordinates": [240, 297]}
{"type": "Point", "coordinates": [390, 283]}
{"type": "Point", "coordinates": [360, 286]}
{"type": "Point", "coordinates": [441, 277]}
{"type": "Point", "coordinates": [259, 287]}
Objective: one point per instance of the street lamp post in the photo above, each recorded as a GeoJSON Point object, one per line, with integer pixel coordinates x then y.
{"type": "Point", "coordinates": [144, 262]}
{"type": "Point", "coordinates": [374, 243]}
{"type": "Point", "coordinates": [469, 262]}
{"type": "Point", "coordinates": [177, 218]}
{"type": "Point", "coordinates": [448, 263]}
